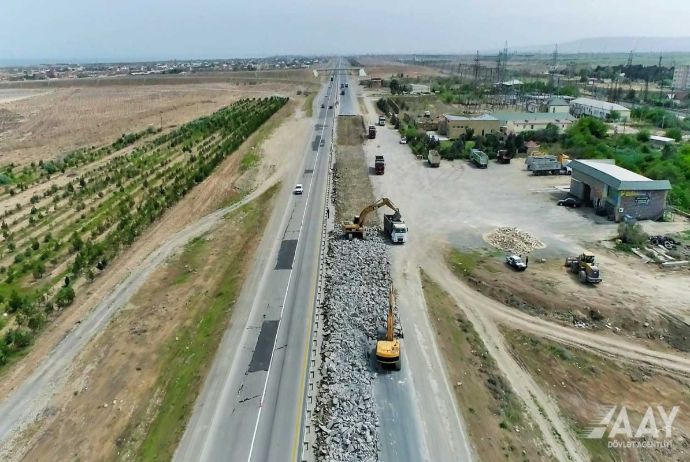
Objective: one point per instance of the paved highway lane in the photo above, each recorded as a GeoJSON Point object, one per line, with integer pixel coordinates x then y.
{"type": "Point", "coordinates": [251, 406]}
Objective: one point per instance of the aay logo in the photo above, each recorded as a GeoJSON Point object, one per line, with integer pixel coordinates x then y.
{"type": "Point", "coordinates": [621, 424]}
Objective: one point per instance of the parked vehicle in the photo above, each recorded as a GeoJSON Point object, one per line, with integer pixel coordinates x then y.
{"type": "Point", "coordinates": [347, 85]}
{"type": "Point", "coordinates": [434, 158]}
{"type": "Point", "coordinates": [403, 140]}
{"type": "Point", "coordinates": [569, 202]}
{"type": "Point", "coordinates": [382, 120]}
{"type": "Point", "coordinates": [323, 105]}
{"type": "Point", "coordinates": [479, 159]}
{"type": "Point", "coordinates": [372, 132]}
{"type": "Point", "coordinates": [427, 114]}
{"type": "Point", "coordinates": [585, 267]}
{"type": "Point", "coordinates": [342, 92]}
{"type": "Point", "coordinates": [299, 189]}
{"type": "Point", "coordinates": [503, 157]}
{"type": "Point", "coordinates": [379, 165]}
{"type": "Point", "coordinates": [549, 165]}
{"type": "Point", "coordinates": [516, 262]}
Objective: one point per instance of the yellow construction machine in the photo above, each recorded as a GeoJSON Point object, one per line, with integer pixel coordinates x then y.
{"type": "Point", "coordinates": [585, 267]}
{"type": "Point", "coordinates": [388, 348]}
{"type": "Point", "coordinates": [355, 228]}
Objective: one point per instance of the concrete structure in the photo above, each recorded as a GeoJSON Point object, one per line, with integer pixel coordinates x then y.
{"type": "Point", "coordinates": [517, 122]}
{"type": "Point", "coordinates": [681, 78]}
{"type": "Point", "coordinates": [417, 89]}
{"type": "Point", "coordinates": [661, 141]}
{"type": "Point", "coordinates": [558, 105]}
{"type": "Point", "coordinates": [619, 191]}
{"type": "Point", "coordinates": [580, 107]}
{"type": "Point", "coordinates": [453, 126]}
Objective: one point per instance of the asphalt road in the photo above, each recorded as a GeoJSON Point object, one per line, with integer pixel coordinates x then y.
{"type": "Point", "coordinates": [252, 404]}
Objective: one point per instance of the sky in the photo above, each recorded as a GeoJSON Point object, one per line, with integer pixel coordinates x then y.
{"type": "Point", "coordinates": [128, 30]}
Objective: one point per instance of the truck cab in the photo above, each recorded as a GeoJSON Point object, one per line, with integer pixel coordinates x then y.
{"type": "Point", "coordinates": [382, 120]}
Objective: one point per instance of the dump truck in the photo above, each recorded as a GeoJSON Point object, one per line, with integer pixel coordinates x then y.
{"type": "Point", "coordinates": [355, 228]}
{"type": "Point", "coordinates": [548, 165]}
{"type": "Point", "coordinates": [379, 165]}
{"type": "Point", "coordinates": [388, 348]}
{"type": "Point", "coordinates": [342, 85]}
{"type": "Point", "coordinates": [503, 157]}
{"type": "Point", "coordinates": [479, 159]}
{"type": "Point", "coordinates": [372, 132]}
{"type": "Point", "coordinates": [535, 155]}
{"type": "Point", "coordinates": [342, 92]}
{"type": "Point", "coordinates": [585, 267]}
{"type": "Point", "coordinates": [395, 227]}
{"type": "Point", "coordinates": [382, 120]}
{"type": "Point", "coordinates": [434, 158]}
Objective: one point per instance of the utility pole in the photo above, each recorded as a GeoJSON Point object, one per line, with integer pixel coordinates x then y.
{"type": "Point", "coordinates": [476, 67]}
{"type": "Point", "coordinates": [630, 57]}
{"type": "Point", "coordinates": [660, 56]}
{"type": "Point", "coordinates": [555, 58]}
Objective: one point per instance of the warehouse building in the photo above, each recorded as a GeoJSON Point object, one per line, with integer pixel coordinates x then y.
{"type": "Point", "coordinates": [517, 122]}
{"type": "Point", "coordinates": [602, 184]}
{"type": "Point", "coordinates": [419, 89]}
{"type": "Point", "coordinates": [580, 107]}
{"type": "Point", "coordinates": [453, 126]}
{"type": "Point", "coordinates": [558, 105]}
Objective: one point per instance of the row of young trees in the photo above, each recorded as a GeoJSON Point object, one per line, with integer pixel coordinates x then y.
{"type": "Point", "coordinates": [228, 128]}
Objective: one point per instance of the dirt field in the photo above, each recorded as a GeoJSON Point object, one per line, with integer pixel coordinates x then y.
{"type": "Point", "coordinates": [504, 433]}
{"type": "Point", "coordinates": [584, 383]}
{"type": "Point", "coordinates": [53, 123]}
{"type": "Point", "coordinates": [375, 67]}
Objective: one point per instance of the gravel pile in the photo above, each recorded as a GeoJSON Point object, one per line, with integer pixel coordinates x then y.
{"type": "Point", "coordinates": [356, 303]}
{"type": "Point", "coordinates": [514, 240]}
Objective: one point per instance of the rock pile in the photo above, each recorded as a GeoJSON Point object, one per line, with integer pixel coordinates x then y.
{"type": "Point", "coordinates": [356, 303]}
{"type": "Point", "coordinates": [514, 240]}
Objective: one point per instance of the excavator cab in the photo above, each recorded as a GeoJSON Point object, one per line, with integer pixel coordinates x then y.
{"type": "Point", "coordinates": [355, 228]}
{"type": "Point", "coordinates": [388, 348]}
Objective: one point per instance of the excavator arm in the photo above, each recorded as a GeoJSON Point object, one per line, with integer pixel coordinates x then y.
{"type": "Point", "coordinates": [391, 298]}
{"type": "Point", "coordinates": [359, 219]}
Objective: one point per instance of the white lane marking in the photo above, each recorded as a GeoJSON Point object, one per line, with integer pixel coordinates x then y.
{"type": "Point", "coordinates": [287, 289]}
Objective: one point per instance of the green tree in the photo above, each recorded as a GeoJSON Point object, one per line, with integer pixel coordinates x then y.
{"type": "Point", "coordinates": [643, 136]}
{"type": "Point", "coordinates": [613, 115]}
{"type": "Point", "coordinates": [16, 302]}
{"type": "Point", "coordinates": [39, 270]}
{"type": "Point", "coordinates": [65, 297]}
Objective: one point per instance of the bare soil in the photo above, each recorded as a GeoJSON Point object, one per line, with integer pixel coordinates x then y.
{"type": "Point", "coordinates": [353, 189]}
{"type": "Point", "coordinates": [495, 416]}
{"type": "Point", "coordinates": [51, 124]}
{"type": "Point", "coordinates": [583, 383]}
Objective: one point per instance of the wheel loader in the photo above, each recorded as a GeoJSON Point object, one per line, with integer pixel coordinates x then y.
{"type": "Point", "coordinates": [585, 267]}
{"type": "Point", "coordinates": [388, 351]}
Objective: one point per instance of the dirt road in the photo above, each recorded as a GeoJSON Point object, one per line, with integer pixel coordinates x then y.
{"type": "Point", "coordinates": [456, 205]}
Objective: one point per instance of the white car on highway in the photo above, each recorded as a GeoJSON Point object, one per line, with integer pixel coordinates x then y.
{"type": "Point", "coordinates": [299, 189]}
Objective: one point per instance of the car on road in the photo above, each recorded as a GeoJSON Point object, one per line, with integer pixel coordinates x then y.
{"type": "Point", "coordinates": [299, 189]}
{"type": "Point", "coordinates": [403, 140]}
{"type": "Point", "coordinates": [515, 261]}
{"type": "Point", "coordinates": [569, 202]}
{"type": "Point", "coordinates": [330, 106]}
{"type": "Point", "coordinates": [323, 105]}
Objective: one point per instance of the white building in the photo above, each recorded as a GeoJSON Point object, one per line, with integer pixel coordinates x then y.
{"type": "Point", "coordinates": [580, 107]}
{"type": "Point", "coordinates": [517, 122]}
{"type": "Point", "coordinates": [416, 88]}
{"type": "Point", "coordinates": [681, 78]}
{"type": "Point", "coordinates": [557, 105]}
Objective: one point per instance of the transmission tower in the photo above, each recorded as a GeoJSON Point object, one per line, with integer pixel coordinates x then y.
{"type": "Point", "coordinates": [630, 57]}
{"type": "Point", "coordinates": [660, 57]}
{"type": "Point", "coordinates": [476, 67]}
{"type": "Point", "coordinates": [505, 62]}
{"type": "Point", "coordinates": [555, 58]}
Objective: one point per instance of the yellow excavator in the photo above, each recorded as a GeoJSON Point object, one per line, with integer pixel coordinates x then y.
{"type": "Point", "coordinates": [355, 228]}
{"type": "Point", "coordinates": [388, 348]}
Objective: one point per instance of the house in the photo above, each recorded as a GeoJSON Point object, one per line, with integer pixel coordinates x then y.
{"type": "Point", "coordinates": [556, 104]}
{"type": "Point", "coordinates": [581, 107]}
{"type": "Point", "coordinates": [621, 192]}
{"type": "Point", "coordinates": [517, 122]}
{"type": "Point", "coordinates": [681, 78]}
{"type": "Point", "coordinates": [532, 147]}
{"type": "Point", "coordinates": [453, 126]}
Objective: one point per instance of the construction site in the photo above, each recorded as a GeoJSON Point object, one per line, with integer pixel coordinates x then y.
{"type": "Point", "coordinates": [365, 258]}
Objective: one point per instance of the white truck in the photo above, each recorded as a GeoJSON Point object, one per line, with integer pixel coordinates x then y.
{"type": "Point", "coordinates": [382, 120]}
{"type": "Point", "coordinates": [434, 158]}
{"type": "Point", "coordinates": [395, 227]}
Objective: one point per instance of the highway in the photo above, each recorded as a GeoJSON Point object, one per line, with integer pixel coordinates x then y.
{"type": "Point", "coordinates": [251, 407]}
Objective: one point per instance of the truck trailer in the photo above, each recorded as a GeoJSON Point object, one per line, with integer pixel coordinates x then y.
{"type": "Point", "coordinates": [434, 158]}
{"type": "Point", "coordinates": [372, 132]}
{"type": "Point", "coordinates": [548, 165]}
{"type": "Point", "coordinates": [479, 159]}
{"type": "Point", "coordinates": [395, 227]}
{"type": "Point", "coordinates": [379, 165]}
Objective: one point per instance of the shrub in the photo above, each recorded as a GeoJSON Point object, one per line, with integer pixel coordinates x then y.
{"type": "Point", "coordinates": [65, 297]}
{"type": "Point", "coordinates": [632, 234]}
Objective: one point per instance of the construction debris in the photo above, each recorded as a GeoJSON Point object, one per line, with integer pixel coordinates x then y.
{"type": "Point", "coordinates": [514, 240]}
{"type": "Point", "coordinates": [357, 280]}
